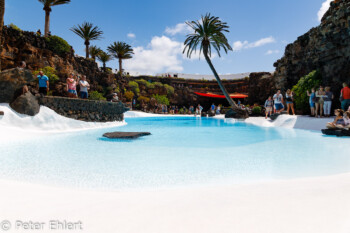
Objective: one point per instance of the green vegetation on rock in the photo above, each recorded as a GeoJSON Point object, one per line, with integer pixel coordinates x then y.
{"type": "Point", "coordinates": [129, 95]}
{"type": "Point", "coordinates": [58, 45]}
{"type": "Point", "coordinates": [134, 87]}
{"type": "Point", "coordinates": [95, 95]}
{"type": "Point", "coordinates": [170, 90]}
{"type": "Point", "coordinates": [161, 99]}
{"type": "Point", "coordinates": [306, 83]}
{"type": "Point", "coordinates": [50, 72]}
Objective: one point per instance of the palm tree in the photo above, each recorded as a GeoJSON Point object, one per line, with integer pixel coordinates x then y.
{"type": "Point", "coordinates": [94, 51]}
{"type": "Point", "coordinates": [104, 57]}
{"type": "Point", "coordinates": [208, 34]}
{"type": "Point", "coordinates": [121, 51]}
{"type": "Point", "coordinates": [2, 13]}
{"type": "Point", "coordinates": [47, 8]}
{"type": "Point", "coordinates": [88, 32]}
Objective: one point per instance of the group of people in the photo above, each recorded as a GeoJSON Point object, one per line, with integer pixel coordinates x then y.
{"type": "Point", "coordinates": [321, 100]}
{"type": "Point", "coordinates": [71, 85]}
{"type": "Point", "coordinates": [275, 103]}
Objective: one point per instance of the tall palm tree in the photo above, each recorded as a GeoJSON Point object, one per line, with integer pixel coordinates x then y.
{"type": "Point", "coordinates": [2, 13]}
{"type": "Point", "coordinates": [94, 51]}
{"type": "Point", "coordinates": [47, 8]}
{"type": "Point", "coordinates": [121, 51]}
{"type": "Point", "coordinates": [208, 34]}
{"type": "Point", "coordinates": [88, 32]}
{"type": "Point", "coordinates": [104, 58]}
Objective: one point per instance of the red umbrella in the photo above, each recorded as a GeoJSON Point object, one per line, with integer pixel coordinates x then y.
{"type": "Point", "coordinates": [211, 95]}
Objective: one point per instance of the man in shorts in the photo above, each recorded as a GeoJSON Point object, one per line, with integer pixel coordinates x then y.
{"type": "Point", "coordinates": [43, 83]}
{"type": "Point", "coordinates": [278, 99]}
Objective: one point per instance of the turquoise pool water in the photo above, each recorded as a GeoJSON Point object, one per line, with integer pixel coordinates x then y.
{"type": "Point", "coordinates": [180, 151]}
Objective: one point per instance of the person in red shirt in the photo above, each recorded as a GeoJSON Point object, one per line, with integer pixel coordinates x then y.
{"type": "Point", "coordinates": [345, 97]}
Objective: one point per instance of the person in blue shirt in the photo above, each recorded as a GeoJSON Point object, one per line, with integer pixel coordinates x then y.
{"type": "Point", "coordinates": [43, 83]}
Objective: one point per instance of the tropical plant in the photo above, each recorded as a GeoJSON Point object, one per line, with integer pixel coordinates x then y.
{"type": "Point", "coordinates": [121, 51]}
{"type": "Point", "coordinates": [145, 83]}
{"type": "Point", "coordinates": [256, 111]}
{"type": "Point", "coordinates": [95, 95]}
{"type": "Point", "coordinates": [94, 52]}
{"type": "Point", "coordinates": [158, 84]}
{"type": "Point", "coordinates": [134, 87]}
{"type": "Point", "coordinates": [58, 45]}
{"type": "Point", "coordinates": [50, 72]}
{"type": "Point", "coordinates": [143, 99]}
{"type": "Point", "coordinates": [47, 8]}
{"type": "Point", "coordinates": [2, 13]}
{"type": "Point", "coordinates": [13, 26]}
{"type": "Point", "coordinates": [207, 35]}
{"type": "Point", "coordinates": [129, 95]}
{"type": "Point", "coordinates": [88, 32]}
{"type": "Point", "coordinates": [306, 83]}
{"type": "Point", "coordinates": [104, 57]}
{"type": "Point", "coordinates": [170, 90]}
{"type": "Point", "coordinates": [161, 99]}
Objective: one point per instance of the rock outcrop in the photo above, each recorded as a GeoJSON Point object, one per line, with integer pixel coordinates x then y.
{"type": "Point", "coordinates": [26, 104]}
{"type": "Point", "coordinates": [325, 48]}
{"type": "Point", "coordinates": [12, 82]}
{"type": "Point", "coordinates": [260, 86]}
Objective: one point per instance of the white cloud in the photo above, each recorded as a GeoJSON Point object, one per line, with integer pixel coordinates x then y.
{"type": "Point", "coordinates": [180, 28]}
{"type": "Point", "coordinates": [131, 35]}
{"type": "Point", "coordinates": [161, 55]}
{"type": "Point", "coordinates": [324, 8]}
{"type": "Point", "coordinates": [270, 52]}
{"type": "Point", "coordinates": [239, 45]}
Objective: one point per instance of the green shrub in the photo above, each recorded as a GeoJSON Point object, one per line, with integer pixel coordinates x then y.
{"type": "Point", "coordinates": [129, 95]}
{"type": "Point", "coordinates": [145, 83]}
{"type": "Point", "coordinates": [50, 72]}
{"type": "Point", "coordinates": [158, 84]}
{"type": "Point", "coordinates": [143, 99]}
{"type": "Point", "coordinates": [95, 95]}
{"type": "Point", "coordinates": [161, 99]}
{"type": "Point", "coordinates": [11, 25]}
{"type": "Point", "coordinates": [58, 45]}
{"type": "Point", "coordinates": [306, 83]}
{"type": "Point", "coordinates": [134, 87]}
{"type": "Point", "coordinates": [256, 110]}
{"type": "Point", "coordinates": [170, 90]}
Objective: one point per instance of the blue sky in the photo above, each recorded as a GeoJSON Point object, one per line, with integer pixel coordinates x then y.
{"type": "Point", "coordinates": [259, 30]}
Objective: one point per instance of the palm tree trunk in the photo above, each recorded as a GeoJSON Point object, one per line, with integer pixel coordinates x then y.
{"type": "Point", "coordinates": [87, 43]}
{"type": "Point", "coordinates": [2, 13]}
{"type": "Point", "coordinates": [104, 66]}
{"type": "Point", "coordinates": [47, 22]}
{"type": "Point", "coordinates": [120, 67]}
{"type": "Point", "coordinates": [222, 87]}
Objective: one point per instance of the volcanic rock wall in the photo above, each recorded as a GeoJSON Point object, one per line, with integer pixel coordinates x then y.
{"type": "Point", "coordinates": [85, 110]}
{"type": "Point", "coordinates": [325, 48]}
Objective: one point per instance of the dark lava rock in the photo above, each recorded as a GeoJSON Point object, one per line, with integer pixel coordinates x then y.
{"type": "Point", "coordinates": [336, 132]}
{"type": "Point", "coordinates": [127, 135]}
{"type": "Point", "coordinates": [12, 81]}
{"type": "Point", "coordinates": [26, 104]}
{"type": "Point", "coordinates": [237, 113]}
{"type": "Point", "coordinates": [274, 116]}
{"type": "Point", "coordinates": [1, 113]}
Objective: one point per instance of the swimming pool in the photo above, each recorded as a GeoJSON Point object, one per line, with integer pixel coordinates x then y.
{"type": "Point", "coordinates": [181, 151]}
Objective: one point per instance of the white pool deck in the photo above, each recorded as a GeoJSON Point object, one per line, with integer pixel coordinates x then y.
{"type": "Point", "coordinates": [320, 204]}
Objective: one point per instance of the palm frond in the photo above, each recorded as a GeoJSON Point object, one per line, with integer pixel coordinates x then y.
{"type": "Point", "coordinates": [208, 34]}
{"type": "Point", "coordinates": [120, 50]}
{"type": "Point", "coordinates": [87, 31]}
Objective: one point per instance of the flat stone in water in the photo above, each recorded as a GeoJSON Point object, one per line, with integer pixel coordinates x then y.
{"type": "Point", "coordinates": [128, 135]}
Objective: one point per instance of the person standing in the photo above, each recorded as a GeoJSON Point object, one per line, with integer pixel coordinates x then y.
{"type": "Point", "coordinates": [84, 87]}
{"type": "Point", "coordinates": [43, 83]}
{"type": "Point", "coordinates": [312, 100]}
{"type": "Point", "coordinates": [320, 94]}
{"type": "Point", "coordinates": [268, 107]}
{"type": "Point", "coordinates": [278, 99]}
{"type": "Point", "coordinates": [72, 85]}
{"type": "Point", "coordinates": [289, 101]}
{"type": "Point", "coordinates": [345, 97]}
{"type": "Point", "coordinates": [328, 102]}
